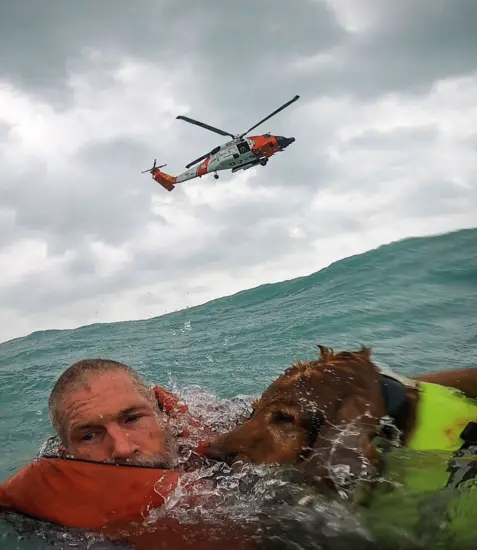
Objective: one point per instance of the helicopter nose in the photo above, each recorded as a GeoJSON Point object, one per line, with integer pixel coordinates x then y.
{"type": "Point", "coordinates": [284, 142]}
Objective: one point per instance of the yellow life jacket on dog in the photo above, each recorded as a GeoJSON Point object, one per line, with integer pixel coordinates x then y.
{"type": "Point", "coordinates": [429, 481]}
{"type": "Point", "coordinates": [442, 414]}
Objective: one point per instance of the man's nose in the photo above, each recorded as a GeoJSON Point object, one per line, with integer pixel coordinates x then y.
{"type": "Point", "coordinates": [122, 447]}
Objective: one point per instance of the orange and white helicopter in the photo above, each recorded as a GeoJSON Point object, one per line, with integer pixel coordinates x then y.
{"type": "Point", "coordinates": [240, 153]}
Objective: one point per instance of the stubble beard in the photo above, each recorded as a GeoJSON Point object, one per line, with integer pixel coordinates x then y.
{"type": "Point", "coordinates": [166, 460]}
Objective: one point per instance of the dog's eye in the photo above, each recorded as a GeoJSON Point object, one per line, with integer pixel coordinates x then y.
{"type": "Point", "coordinates": [283, 417]}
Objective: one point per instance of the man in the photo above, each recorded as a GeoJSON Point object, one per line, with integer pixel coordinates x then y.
{"type": "Point", "coordinates": [103, 411]}
{"type": "Point", "coordinates": [118, 463]}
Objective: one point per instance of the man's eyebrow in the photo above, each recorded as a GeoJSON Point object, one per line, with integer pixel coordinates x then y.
{"type": "Point", "coordinates": [82, 427]}
{"type": "Point", "coordinates": [125, 412]}
{"type": "Point", "coordinates": [132, 409]}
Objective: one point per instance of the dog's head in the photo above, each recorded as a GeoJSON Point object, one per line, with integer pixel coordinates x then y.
{"type": "Point", "coordinates": [322, 413]}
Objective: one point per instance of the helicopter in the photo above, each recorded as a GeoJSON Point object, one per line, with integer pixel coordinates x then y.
{"type": "Point", "coordinates": [241, 153]}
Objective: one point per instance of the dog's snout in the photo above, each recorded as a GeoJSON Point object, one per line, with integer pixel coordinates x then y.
{"type": "Point", "coordinates": [221, 455]}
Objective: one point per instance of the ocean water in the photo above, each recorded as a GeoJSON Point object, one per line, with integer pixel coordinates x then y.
{"type": "Point", "coordinates": [413, 301]}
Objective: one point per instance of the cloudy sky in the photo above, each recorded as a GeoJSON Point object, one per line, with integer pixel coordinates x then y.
{"type": "Point", "coordinates": [386, 137]}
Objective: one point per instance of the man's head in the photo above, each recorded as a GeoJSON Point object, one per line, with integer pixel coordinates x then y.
{"type": "Point", "coordinates": [103, 411]}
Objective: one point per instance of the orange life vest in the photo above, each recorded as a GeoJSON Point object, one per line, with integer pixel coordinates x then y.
{"type": "Point", "coordinates": [110, 499]}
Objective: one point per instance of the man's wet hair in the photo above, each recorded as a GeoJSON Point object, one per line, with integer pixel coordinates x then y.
{"type": "Point", "coordinates": [77, 376]}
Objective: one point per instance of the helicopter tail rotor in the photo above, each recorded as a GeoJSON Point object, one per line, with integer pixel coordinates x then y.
{"type": "Point", "coordinates": [154, 167]}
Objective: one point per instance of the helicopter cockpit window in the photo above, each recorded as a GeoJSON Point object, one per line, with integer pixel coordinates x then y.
{"type": "Point", "coordinates": [243, 147]}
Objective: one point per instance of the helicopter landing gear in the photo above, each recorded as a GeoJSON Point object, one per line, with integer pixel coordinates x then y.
{"type": "Point", "coordinates": [216, 176]}
{"type": "Point", "coordinates": [263, 161]}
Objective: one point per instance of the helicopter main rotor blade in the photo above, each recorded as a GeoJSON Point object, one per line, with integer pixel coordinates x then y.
{"type": "Point", "coordinates": [211, 152]}
{"type": "Point", "coordinates": [204, 125]}
{"type": "Point", "coordinates": [271, 115]}
{"type": "Point", "coordinates": [189, 165]}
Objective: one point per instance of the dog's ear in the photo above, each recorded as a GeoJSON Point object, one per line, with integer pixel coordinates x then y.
{"type": "Point", "coordinates": [325, 353]}
{"type": "Point", "coordinates": [365, 352]}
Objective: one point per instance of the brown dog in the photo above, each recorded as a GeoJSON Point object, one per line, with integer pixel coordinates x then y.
{"type": "Point", "coordinates": [324, 414]}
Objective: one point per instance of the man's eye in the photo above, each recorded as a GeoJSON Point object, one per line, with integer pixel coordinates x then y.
{"type": "Point", "coordinates": [87, 437]}
{"type": "Point", "coordinates": [133, 418]}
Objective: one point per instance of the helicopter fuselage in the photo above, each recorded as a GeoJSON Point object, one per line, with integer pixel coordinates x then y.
{"type": "Point", "coordinates": [238, 154]}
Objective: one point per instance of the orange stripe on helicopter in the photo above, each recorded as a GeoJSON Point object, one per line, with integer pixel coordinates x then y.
{"type": "Point", "coordinates": [203, 167]}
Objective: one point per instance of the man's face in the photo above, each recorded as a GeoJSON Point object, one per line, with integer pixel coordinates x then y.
{"type": "Point", "coordinates": [109, 420]}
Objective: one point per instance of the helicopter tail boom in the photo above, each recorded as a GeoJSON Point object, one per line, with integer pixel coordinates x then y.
{"type": "Point", "coordinates": [165, 180]}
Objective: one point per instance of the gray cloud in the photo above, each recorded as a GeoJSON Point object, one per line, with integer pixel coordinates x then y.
{"type": "Point", "coordinates": [8, 228]}
{"type": "Point", "coordinates": [411, 46]}
{"type": "Point", "coordinates": [438, 197]}
{"type": "Point", "coordinates": [67, 212]}
{"type": "Point", "coordinates": [42, 43]}
{"type": "Point", "coordinates": [419, 43]}
{"type": "Point", "coordinates": [242, 41]}
{"type": "Point", "coordinates": [415, 136]}
{"type": "Point", "coordinates": [241, 49]}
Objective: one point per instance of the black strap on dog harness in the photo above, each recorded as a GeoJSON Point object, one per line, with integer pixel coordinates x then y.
{"type": "Point", "coordinates": [396, 404]}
